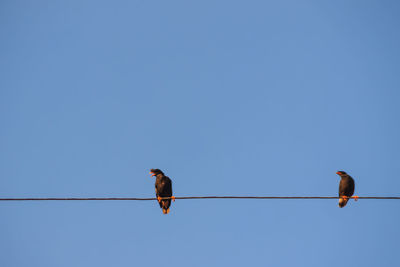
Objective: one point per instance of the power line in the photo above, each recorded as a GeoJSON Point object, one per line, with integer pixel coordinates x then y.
{"type": "Point", "coordinates": [189, 197]}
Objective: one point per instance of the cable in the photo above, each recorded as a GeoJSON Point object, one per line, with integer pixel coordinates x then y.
{"type": "Point", "coordinates": [194, 197]}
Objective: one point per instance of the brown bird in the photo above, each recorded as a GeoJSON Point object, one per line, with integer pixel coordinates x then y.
{"type": "Point", "coordinates": [163, 189]}
{"type": "Point", "coordinates": [346, 188]}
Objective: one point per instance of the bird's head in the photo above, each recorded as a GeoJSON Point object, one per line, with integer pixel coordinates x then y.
{"type": "Point", "coordinates": [341, 173]}
{"type": "Point", "coordinates": [155, 172]}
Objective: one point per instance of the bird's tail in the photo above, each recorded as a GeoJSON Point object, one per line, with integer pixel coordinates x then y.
{"type": "Point", "coordinates": [165, 206]}
{"type": "Point", "coordinates": [165, 211]}
{"type": "Point", "coordinates": [343, 202]}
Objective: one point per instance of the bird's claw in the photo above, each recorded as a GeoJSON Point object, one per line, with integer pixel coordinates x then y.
{"type": "Point", "coordinates": [173, 198]}
{"type": "Point", "coordinates": [355, 198]}
{"type": "Point", "coordinates": [159, 199]}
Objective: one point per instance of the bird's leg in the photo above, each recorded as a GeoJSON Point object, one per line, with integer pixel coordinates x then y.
{"type": "Point", "coordinates": [345, 197]}
{"type": "Point", "coordinates": [355, 198]}
{"type": "Point", "coordinates": [173, 198]}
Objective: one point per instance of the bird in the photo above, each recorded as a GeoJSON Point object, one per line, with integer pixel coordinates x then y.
{"type": "Point", "coordinates": [346, 188]}
{"type": "Point", "coordinates": [163, 187]}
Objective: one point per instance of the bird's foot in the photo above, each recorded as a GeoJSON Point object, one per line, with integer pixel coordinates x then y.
{"type": "Point", "coordinates": [345, 197]}
{"type": "Point", "coordinates": [355, 198]}
{"type": "Point", "coordinates": [173, 198]}
{"type": "Point", "coordinates": [159, 199]}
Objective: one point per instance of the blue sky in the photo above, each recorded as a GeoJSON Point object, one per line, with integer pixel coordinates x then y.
{"type": "Point", "coordinates": [228, 98]}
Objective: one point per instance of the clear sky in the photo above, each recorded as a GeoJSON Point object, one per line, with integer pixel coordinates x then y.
{"type": "Point", "coordinates": [228, 98]}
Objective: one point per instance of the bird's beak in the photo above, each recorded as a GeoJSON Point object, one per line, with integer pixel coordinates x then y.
{"type": "Point", "coordinates": [152, 173]}
{"type": "Point", "coordinates": [339, 173]}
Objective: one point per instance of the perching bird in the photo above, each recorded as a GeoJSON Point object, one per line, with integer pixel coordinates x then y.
{"type": "Point", "coordinates": [346, 188]}
{"type": "Point", "coordinates": [163, 189]}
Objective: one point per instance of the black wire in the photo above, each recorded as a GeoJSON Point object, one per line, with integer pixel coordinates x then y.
{"type": "Point", "coordinates": [190, 197]}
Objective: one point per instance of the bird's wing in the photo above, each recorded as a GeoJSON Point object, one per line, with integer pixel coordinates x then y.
{"type": "Point", "coordinates": [346, 187]}
{"type": "Point", "coordinates": [158, 185]}
{"type": "Point", "coordinates": [168, 187]}
{"type": "Point", "coordinates": [351, 186]}
{"type": "Point", "coordinates": [342, 187]}
{"type": "Point", "coordinates": [165, 187]}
